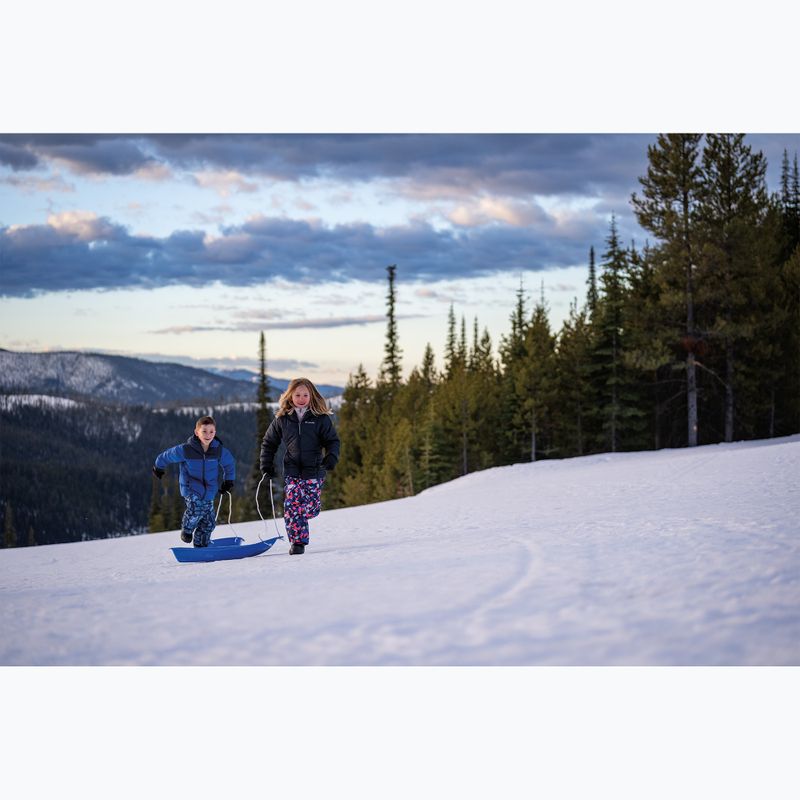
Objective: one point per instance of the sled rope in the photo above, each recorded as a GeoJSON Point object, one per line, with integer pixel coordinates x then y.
{"type": "Point", "coordinates": [272, 501]}
{"type": "Point", "coordinates": [230, 510]}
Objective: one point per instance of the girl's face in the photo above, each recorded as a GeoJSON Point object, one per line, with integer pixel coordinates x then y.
{"type": "Point", "coordinates": [301, 397]}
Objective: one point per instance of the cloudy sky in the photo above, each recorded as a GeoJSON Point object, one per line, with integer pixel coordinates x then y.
{"type": "Point", "coordinates": [183, 247]}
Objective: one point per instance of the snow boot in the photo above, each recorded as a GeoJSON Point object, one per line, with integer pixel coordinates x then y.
{"type": "Point", "coordinates": [186, 537]}
{"type": "Point", "coordinates": [296, 549]}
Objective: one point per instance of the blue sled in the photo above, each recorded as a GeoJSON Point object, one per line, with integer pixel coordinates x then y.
{"type": "Point", "coordinates": [222, 550]}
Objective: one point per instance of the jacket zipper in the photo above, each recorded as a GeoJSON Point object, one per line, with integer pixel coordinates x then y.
{"type": "Point", "coordinates": [299, 443]}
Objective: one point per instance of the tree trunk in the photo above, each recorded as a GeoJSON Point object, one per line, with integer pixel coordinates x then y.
{"type": "Point", "coordinates": [464, 463]}
{"type": "Point", "coordinates": [691, 397]}
{"type": "Point", "coordinates": [728, 389]}
{"type": "Point", "coordinates": [533, 435]}
{"type": "Point", "coordinates": [614, 400]}
{"type": "Point", "coordinates": [691, 369]}
{"type": "Point", "coordinates": [772, 413]}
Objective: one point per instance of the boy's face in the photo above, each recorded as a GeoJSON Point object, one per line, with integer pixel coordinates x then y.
{"type": "Point", "coordinates": [205, 433]}
{"type": "Point", "coordinates": [301, 396]}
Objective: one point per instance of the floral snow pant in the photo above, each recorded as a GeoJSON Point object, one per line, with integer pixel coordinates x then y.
{"type": "Point", "coordinates": [198, 519]}
{"type": "Point", "coordinates": [302, 499]}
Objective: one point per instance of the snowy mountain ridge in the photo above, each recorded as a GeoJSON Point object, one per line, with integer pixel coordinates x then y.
{"type": "Point", "coordinates": [674, 557]}
{"type": "Point", "coordinates": [117, 379]}
{"type": "Point", "coordinates": [127, 380]}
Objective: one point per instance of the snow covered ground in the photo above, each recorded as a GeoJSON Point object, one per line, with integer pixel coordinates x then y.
{"type": "Point", "coordinates": [676, 557]}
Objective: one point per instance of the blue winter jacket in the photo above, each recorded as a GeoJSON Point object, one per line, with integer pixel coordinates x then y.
{"type": "Point", "coordinates": [200, 470]}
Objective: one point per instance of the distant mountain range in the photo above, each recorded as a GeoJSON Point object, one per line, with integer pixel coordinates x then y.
{"type": "Point", "coordinates": [276, 384]}
{"type": "Point", "coordinates": [130, 381]}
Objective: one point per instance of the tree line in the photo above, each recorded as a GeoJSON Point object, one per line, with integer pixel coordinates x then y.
{"type": "Point", "coordinates": [690, 339]}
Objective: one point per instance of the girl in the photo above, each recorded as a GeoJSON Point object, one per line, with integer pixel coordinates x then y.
{"type": "Point", "coordinates": [303, 423]}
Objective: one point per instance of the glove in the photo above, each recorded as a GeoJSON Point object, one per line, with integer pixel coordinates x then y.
{"type": "Point", "coordinates": [226, 487]}
{"type": "Point", "coordinates": [328, 463]}
{"type": "Point", "coordinates": [159, 473]}
{"type": "Point", "coordinates": [268, 473]}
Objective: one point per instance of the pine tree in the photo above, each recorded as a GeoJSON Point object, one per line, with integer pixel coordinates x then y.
{"type": "Point", "coordinates": [574, 388]}
{"type": "Point", "coordinates": [433, 462]}
{"type": "Point", "coordinates": [515, 443]}
{"type": "Point", "coordinates": [461, 353]}
{"type": "Point", "coordinates": [733, 203]}
{"type": "Point", "coordinates": [391, 367]}
{"type": "Point", "coordinates": [428, 373]}
{"type": "Point", "coordinates": [591, 293]}
{"type": "Point", "coordinates": [450, 348]}
{"type": "Point", "coordinates": [247, 508]}
{"type": "Point", "coordinates": [397, 472]}
{"type": "Point", "coordinates": [614, 383]}
{"type": "Point", "coordinates": [352, 482]}
{"type": "Point", "coordinates": [535, 381]}
{"type": "Point", "coordinates": [787, 329]}
{"type": "Point", "coordinates": [473, 352]}
{"type": "Point", "coordinates": [668, 209]}
{"type": "Point", "coordinates": [648, 341]}
{"type": "Point", "coordinates": [790, 205]}
{"type": "Point", "coordinates": [31, 536]}
{"type": "Point", "coordinates": [9, 530]}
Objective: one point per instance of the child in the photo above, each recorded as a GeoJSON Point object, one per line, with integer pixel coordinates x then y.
{"type": "Point", "coordinates": [200, 458]}
{"type": "Point", "coordinates": [304, 425]}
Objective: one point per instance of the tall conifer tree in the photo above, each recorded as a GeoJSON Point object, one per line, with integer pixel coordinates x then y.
{"type": "Point", "coordinates": [247, 508]}
{"type": "Point", "coordinates": [591, 292]}
{"type": "Point", "coordinates": [733, 203]}
{"type": "Point", "coordinates": [391, 367]}
{"type": "Point", "coordinates": [574, 388]}
{"type": "Point", "coordinates": [668, 209]}
{"type": "Point", "coordinates": [534, 380]}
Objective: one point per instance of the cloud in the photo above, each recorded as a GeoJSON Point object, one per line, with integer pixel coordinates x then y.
{"type": "Point", "coordinates": [422, 166]}
{"type": "Point", "coordinates": [224, 183]}
{"type": "Point", "coordinates": [79, 250]}
{"type": "Point", "coordinates": [84, 226]}
{"type": "Point", "coordinates": [298, 324]}
{"type": "Point", "coordinates": [18, 156]}
{"type": "Point", "coordinates": [486, 210]}
{"type": "Point", "coordinates": [84, 154]}
{"type": "Point", "coordinates": [31, 183]}
{"type": "Point", "coordinates": [452, 167]}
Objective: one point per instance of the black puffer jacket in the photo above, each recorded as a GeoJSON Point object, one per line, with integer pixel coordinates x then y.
{"type": "Point", "coordinates": [304, 442]}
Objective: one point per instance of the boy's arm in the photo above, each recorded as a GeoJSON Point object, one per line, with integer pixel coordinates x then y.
{"type": "Point", "coordinates": [228, 464]}
{"type": "Point", "coordinates": [330, 440]}
{"type": "Point", "coordinates": [269, 446]}
{"type": "Point", "coordinates": [172, 456]}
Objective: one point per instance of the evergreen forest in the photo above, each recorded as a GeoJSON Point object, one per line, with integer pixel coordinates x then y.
{"type": "Point", "coordinates": [689, 339]}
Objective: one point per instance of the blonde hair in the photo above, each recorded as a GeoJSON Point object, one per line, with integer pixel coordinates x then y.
{"type": "Point", "coordinates": [317, 403]}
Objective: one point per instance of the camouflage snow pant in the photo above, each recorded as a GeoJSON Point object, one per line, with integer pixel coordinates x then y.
{"type": "Point", "coordinates": [302, 499]}
{"type": "Point", "coordinates": [198, 519]}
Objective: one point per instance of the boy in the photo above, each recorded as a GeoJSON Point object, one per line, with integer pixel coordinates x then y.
{"type": "Point", "coordinates": [200, 458]}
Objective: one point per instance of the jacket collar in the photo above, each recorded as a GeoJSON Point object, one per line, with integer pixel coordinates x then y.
{"type": "Point", "coordinates": [196, 444]}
